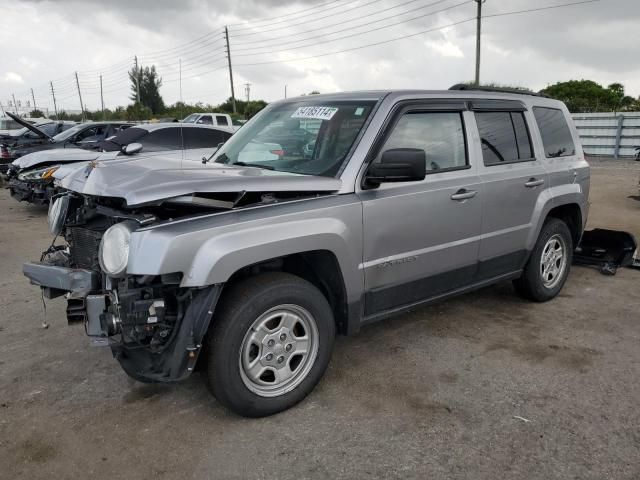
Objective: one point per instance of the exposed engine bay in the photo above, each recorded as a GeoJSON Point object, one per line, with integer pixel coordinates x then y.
{"type": "Point", "coordinates": [153, 325]}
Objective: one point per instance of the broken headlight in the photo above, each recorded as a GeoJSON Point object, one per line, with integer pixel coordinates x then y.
{"type": "Point", "coordinates": [58, 210]}
{"type": "Point", "coordinates": [39, 174]}
{"type": "Point", "coordinates": [114, 248]}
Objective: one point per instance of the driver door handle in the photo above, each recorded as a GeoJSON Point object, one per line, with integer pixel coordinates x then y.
{"type": "Point", "coordinates": [463, 194]}
{"type": "Point", "coordinates": [534, 182]}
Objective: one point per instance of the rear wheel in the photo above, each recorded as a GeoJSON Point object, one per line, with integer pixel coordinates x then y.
{"type": "Point", "coordinates": [548, 267]}
{"type": "Point", "coordinates": [269, 345]}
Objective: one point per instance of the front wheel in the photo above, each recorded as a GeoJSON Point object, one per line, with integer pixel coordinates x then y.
{"type": "Point", "coordinates": [269, 344]}
{"type": "Point", "coordinates": [548, 267]}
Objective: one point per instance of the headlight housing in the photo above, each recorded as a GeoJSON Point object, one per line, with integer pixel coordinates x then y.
{"type": "Point", "coordinates": [114, 248]}
{"type": "Point", "coordinates": [39, 174]}
{"type": "Point", "coordinates": [58, 209]}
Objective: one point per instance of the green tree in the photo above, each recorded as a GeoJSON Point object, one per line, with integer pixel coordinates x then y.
{"type": "Point", "coordinates": [36, 113]}
{"type": "Point", "coordinates": [137, 111]}
{"type": "Point", "coordinates": [621, 101]}
{"type": "Point", "coordinates": [148, 82]}
{"type": "Point", "coordinates": [583, 96]}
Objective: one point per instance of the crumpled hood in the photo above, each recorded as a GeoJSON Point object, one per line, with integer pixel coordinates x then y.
{"type": "Point", "coordinates": [58, 155]}
{"type": "Point", "coordinates": [155, 178]}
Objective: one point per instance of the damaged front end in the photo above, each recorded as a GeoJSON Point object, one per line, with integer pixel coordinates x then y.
{"type": "Point", "coordinates": [35, 186]}
{"type": "Point", "coordinates": [153, 326]}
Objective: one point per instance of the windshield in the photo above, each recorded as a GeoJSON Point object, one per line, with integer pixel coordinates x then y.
{"type": "Point", "coordinates": [306, 137]}
{"type": "Point", "coordinates": [191, 118]}
{"type": "Point", "coordinates": [61, 137]}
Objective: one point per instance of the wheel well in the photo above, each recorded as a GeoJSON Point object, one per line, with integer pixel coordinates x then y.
{"type": "Point", "coordinates": [319, 267]}
{"type": "Point", "coordinates": [571, 215]}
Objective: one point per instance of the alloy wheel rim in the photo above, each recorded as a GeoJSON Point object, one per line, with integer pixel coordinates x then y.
{"type": "Point", "coordinates": [553, 261]}
{"type": "Point", "coordinates": [278, 350]}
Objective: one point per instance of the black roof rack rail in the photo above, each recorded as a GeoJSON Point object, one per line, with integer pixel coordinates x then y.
{"type": "Point", "coordinates": [464, 86]}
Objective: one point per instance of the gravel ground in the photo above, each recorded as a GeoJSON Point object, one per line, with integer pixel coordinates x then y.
{"type": "Point", "coordinates": [483, 386]}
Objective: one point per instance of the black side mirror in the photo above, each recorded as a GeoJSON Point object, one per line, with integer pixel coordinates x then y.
{"type": "Point", "coordinates": [398, 165]}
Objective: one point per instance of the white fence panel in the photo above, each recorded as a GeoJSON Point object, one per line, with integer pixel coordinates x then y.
{"type": "Point", "coordinates": [608, 133]}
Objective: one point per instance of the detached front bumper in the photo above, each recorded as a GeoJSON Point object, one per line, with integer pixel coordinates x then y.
{"type": "Point", "coordinates": [57, 281]}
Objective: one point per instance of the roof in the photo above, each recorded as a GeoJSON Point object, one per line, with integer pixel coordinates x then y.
{"type": "Point", "coordinates": [159, 126]}
{"type": "Point", "coordinates": [376, 95]}
{"type": "Point", "coordinates": [108, 122]}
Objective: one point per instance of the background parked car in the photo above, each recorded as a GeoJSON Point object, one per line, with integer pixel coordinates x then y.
{"type": "Point", "coordinates": [31, 177]}
{"type": "Point", "coordinates": [85, 135]}
{"type": "Point", "coordinates": [214, 119]}
{"type": "Point", "coordinates": [8, 125]}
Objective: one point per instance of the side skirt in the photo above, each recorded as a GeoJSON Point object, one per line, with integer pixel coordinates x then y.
{"type": "Point", "coordinates": [374, 317]}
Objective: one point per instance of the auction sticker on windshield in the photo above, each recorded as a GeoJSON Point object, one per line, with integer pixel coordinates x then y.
{"type": "Point", "coordinates": [318, 113]}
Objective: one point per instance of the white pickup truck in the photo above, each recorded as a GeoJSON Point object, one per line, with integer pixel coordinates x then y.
{"type": "Point", "coordinates": [215, 119]}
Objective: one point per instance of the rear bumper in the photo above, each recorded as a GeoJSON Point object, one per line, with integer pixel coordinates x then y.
{"type": "Point", "coordinates": [57, 281]}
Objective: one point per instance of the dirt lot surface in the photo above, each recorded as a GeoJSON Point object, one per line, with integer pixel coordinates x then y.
{"type": "Point", "coordinates": [485, 386]}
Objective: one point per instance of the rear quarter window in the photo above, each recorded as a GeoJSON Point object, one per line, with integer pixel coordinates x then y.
{"type": "Point", "coordinates": [555, 133]}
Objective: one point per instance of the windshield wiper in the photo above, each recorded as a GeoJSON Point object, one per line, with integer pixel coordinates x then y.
{"type": "Point", "coordinates": [257, 165]}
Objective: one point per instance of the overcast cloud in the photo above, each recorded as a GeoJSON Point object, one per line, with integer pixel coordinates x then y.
{"type": "Point", "coordinates": [50, 40]}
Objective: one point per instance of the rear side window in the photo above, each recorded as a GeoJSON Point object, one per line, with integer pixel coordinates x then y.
{"type": "Point", "coordinates": [555, 133]}
{"type": "Point", "coordinates": [221, 120]}
{"type": "Point", "coordinates": [205, 120]}
{"type": "Point", "coordinates": [203, 137]}
{"type": "Point", "coordinates": [440, 135]}
{"type": "Point", "coordinates": [504, 137]}
{"type": "Point", "coordinates": [163, 139]}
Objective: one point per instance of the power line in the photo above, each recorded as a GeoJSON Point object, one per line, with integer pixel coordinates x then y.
{"type": "Point", "coordinates": [422, 32]}
{"type": "Point", "coordinates": [335, 24]}
{"type": "Point", "coordinates": [401, 22]}
{"type": "Point", "coordinates": [341, 12]}
{"type": "Point", "coordinates": [361, 46]}
{"type": "Point", "coordinates": [549, 7]}
{"type": "Point", "coordinates": [245, 25]}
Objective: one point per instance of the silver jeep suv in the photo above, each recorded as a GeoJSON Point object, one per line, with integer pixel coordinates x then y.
{"type": "Point", "coordinates": [321, 215]}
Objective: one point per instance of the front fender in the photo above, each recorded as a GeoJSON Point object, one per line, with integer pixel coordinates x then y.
{"type": "Point", "coordinates": [220, 257]}
{"type": "Point", "coordinates": [209, 251]}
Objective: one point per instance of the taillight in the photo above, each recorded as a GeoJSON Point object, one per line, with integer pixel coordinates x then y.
{"type": "Point", "coordinates": [280, 153]}
{"type": "Point", "coordinates": [4, 152]}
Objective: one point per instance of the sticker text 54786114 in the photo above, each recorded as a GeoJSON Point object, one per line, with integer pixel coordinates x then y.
{"type": "Point", "coordinates": [319, 113]}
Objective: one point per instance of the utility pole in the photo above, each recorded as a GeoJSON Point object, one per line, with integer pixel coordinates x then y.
{"type": "Point", "coordinates": [247, 89]}
{"type": "Point", "coordinates": [137, 77]}
{"type": "Point", "coordinates": [233, 94]}
{"type": "Point", "coordinates": [478, 33]}
{"type": "Point", "coordinates": [15, 104]}
{"type": "Point", "coordinates": [180, 77]}
{"type": "Point", "coordinates": [285, 91]}
{"type": "Point", "coordinates": [53, 94]}
{"type": "Point", "coordinates": [34, 100]}
{"type": "Point", "coordinates": [101, 98]}
{"type": "Point", "coordinates": [80, 96]}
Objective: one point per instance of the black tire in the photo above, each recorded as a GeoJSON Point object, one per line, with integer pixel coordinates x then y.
{"type": "Point", "coordinates": [241, 305]}
{"type": "Point", "coordinates": [531, 284]}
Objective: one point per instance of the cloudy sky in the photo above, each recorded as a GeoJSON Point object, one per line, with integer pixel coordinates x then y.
{"type": "Point", "coordinates": [272, 42]}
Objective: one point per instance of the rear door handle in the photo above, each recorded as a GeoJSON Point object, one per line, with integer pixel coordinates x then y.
{"type": "Point", "coordinates": [534, 182]}
{"type": "Point", "coordinates": [463, 194]}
